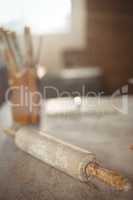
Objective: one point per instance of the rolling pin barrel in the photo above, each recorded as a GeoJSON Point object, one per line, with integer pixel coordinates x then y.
{"type": "Point", "coordinates": [63, 156]}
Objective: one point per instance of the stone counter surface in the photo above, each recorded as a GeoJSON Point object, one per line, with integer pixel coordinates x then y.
{"type": "Point", "coordinates": [108, 135]}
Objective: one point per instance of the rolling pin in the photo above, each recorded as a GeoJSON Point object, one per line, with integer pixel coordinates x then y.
{"type": "Point", "coordinates": [72, 160]}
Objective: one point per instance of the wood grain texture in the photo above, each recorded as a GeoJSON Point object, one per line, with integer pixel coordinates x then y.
{"type": "Point", "coordinates": [109, 42]}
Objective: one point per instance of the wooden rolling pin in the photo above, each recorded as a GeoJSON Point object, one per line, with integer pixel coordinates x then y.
{"type": "Point", "coordinates": [72, 160]}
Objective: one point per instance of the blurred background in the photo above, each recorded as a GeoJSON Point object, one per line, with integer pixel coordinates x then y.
{"type": "Point", "coordinates": [70, 48]}
{"type": "Point", "coordinates": [83, 42]}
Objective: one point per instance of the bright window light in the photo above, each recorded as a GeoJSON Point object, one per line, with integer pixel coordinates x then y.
{"type": "Point", "coordinates": [43, 16]}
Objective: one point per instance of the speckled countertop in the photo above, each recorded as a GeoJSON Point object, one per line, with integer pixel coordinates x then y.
{"type": "Point", "coordinates": [107, 135]}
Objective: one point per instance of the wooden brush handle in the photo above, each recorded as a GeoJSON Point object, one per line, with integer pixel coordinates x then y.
{"type": "Point", "coordinates": [8, 52]}
{"type": "Point", "coordinates": [29, 47]}
{"type": "Point", "coordinates": [15, 50]}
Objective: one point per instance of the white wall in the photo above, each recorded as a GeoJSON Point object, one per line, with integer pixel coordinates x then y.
{"type": "Point", "coordinates": [54, 44]}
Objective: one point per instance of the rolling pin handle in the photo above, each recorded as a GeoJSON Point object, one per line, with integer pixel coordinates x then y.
{"type": "Point", "coordinates": [107, 176]}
